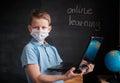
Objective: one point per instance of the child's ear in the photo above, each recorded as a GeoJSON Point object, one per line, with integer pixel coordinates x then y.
{"type": "Point", "coordinates": [29, 28]}
{"type": "Point", "coordinates": [50, 28]}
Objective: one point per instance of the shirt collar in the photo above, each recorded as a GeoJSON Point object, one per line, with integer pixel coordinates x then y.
{"type": "Point", "coordinates": [39, 44]}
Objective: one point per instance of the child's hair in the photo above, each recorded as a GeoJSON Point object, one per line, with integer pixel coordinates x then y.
{"type": "Point", "coordinates": [36, 13]}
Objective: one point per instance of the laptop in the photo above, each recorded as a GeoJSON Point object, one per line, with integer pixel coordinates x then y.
{"type": "Point", "coordinates": [65, 66]}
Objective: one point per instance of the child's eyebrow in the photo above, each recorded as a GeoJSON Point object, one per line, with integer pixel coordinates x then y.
{"type": "Point", "coordinates": [36, 27]}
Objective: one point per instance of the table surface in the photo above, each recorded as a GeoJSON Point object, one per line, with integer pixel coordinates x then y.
{"type": "Point", "coordinates": [75, 80]}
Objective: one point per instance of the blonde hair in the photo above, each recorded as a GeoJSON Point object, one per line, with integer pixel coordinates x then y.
{"type": "Point", "coordinates": [36, 13]}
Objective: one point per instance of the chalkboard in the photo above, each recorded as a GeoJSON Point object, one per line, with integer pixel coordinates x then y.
{"type": "Point", "coordinates": [73, 22]}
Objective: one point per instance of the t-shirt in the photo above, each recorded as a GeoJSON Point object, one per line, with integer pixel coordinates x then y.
{"type": "Point", "coordinates": [45, 55]}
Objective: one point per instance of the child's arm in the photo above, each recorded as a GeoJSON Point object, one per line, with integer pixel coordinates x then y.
{"type": "Point", "coordinates": [37, 77]}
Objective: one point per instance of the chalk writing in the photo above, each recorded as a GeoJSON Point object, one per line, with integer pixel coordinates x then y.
{"type": "Point", "coordinates": [79, 10]}
{"type": "Point", "coordinates": [82, 17]}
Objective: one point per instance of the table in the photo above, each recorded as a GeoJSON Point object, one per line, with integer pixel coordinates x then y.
{"type": "Point", "coordinates": [75, 80]}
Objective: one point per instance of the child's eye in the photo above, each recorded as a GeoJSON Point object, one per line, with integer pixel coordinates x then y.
{"type": "Point", "coordinates": [44, 27]}
{"type": "Point", "coordinates": [36, 27]}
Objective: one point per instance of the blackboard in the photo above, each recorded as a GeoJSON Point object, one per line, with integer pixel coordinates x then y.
{"type": "Point", "coordinates": [73, 22]}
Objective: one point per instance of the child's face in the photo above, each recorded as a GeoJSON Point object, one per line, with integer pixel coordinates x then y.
{"type": "Point", "coordinates": [39, 24]}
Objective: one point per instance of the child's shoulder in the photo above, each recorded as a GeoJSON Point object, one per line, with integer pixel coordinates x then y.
{"type": "Point", "coordinates": [29, 45]}
{"type": "Point", "coordinates": [52, 46]}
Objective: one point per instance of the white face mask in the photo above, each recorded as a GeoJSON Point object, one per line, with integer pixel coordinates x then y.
{"type": "Point", "coordinates": [39, 34]}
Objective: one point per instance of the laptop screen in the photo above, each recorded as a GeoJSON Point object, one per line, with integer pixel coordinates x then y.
{"type": "Point", "coordinates": [93, 48]}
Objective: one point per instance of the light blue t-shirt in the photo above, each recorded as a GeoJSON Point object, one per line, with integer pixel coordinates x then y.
{"type": "Point", "coordinates": [43, 54]}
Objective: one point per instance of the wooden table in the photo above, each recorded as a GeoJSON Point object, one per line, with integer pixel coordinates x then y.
{"type": "Point", "coordinates": [75, 80]}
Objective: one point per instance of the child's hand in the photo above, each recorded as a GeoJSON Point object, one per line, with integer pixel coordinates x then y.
{"type": "Point", "coordinates": [70, 74]}
{"type": "Point", "coordinates": [89, 69]}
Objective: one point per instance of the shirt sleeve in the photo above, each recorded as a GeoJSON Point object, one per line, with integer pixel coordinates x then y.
{"type": "Point", "coordinates": [28, 56]}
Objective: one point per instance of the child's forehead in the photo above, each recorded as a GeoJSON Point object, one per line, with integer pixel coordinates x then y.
{"type": "Point", "coordinates": [40, 21]}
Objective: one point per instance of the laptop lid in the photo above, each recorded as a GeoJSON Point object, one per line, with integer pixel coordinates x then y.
{"type": "Point", "coordinates": [76, 59]}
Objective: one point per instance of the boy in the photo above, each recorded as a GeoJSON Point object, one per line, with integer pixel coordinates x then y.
{"type": "Point", "coordinates": [38, 55]}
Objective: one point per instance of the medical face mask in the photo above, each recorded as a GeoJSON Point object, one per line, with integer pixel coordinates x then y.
{"type": "Point", "coordinates": [39, 34]}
